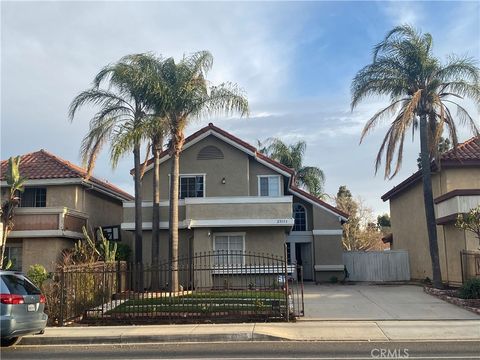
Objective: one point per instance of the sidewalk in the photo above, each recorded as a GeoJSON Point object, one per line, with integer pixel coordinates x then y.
{"type": "Point", "coordinates": [299, 331]}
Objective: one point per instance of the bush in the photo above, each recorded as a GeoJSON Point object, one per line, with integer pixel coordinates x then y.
{"type": "Point", "coordinates": [123, 252]}
{"type": "Point", "coordinates": [471, 289]}
{"type": "Point", "coordinates": [38, 274]}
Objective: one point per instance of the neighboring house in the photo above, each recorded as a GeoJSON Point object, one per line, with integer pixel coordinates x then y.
{"type": "Point", "coordinates": [232, 197]}
{"type": "Point", "coordinates": [456, 189]}
{"type": "Point", "coordinates": [57, 202]}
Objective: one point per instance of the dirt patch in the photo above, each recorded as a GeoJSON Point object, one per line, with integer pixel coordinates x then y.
{"type": "Point", "coordinates": [451, 296]}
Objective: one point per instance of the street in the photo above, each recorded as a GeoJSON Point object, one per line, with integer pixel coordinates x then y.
{"type": "Point", "coordinates": [254, 350]}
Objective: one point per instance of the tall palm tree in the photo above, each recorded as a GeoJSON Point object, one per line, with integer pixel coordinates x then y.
{"type": "Point", "coordinates": [186, 95]}
{"type": "Point", "coordinates": [16, 184]}
{"type": "Point", "coordinates": [422, 90]}
{"type": "Point", "coordinates": [120, 120]}
{"type": "Point", "coordinates": [158, 133]}
{"type": "Point", "coordinates": [310, 177]}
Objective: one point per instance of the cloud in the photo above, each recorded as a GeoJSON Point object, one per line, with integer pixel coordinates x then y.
{"type": "Point", "coordinates": [294, 60]}
{"type": "Point", "coordinates": [403, 12]}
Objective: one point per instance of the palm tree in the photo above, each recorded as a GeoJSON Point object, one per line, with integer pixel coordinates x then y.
{"type": "Point", "coordinates": [310, 177]}
{"type": "Point", "coordinates": [158, 133]}
{"type": "Point", "coordinates": [422, 90]}
{"type": "Point", "coordinates": [186, 95]}
{"type": "Point", "coordinates": [16, 185]}
{"type": "Point", "coordinates": [121, 120]}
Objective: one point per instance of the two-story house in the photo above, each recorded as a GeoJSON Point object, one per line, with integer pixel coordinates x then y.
{"type": "Point", "coordinates": [57, 202]}
{"type": "Point", "coordinates": [456, 190]}
{"type": "Point", "coordinates": [232, 197]}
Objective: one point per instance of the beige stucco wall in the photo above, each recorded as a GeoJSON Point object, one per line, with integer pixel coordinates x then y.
{"type": "Point", "coordinates": [239, 211]}
{"type": "Point", "coordinates": [147, 213]}
{"type": "Point", "coordinates": [71, 196]}
{"type": "Point", "coordinates": [454, 242]}
{"type": "Point", "coordinates": [323, 219]}
{"type": "Point", "coordinates": [328, 250]}
{"type": "Point", "coordinates": [44, 251]}
{"type": "Point", "coordinates": [183, 245]}
{"type": "Point", "coordinates": [233, 167]}
{"type": "Point", "coordinates": [102, 210]}
{"type": "Point", "coordinates": [410, 231]}
{"type": "Point", "coordinates": [461, 178]}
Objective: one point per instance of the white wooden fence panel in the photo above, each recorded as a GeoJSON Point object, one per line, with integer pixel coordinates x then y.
{"type": "Point", "coordinates": [379, 266]}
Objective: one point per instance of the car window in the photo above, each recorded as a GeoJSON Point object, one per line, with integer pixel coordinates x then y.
{"type": "Point", "coordinates": [19, 285]}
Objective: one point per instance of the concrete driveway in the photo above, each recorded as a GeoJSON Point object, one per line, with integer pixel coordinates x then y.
{"type": "Point", "coordinates": [377, 302]}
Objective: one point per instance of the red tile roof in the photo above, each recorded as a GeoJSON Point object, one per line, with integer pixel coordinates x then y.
{"type": "Point", "coordinates": [44, 165]}
{"type": "Point", "coordinates": [465, 154]}
{"type": "Point", "coordinates": [466, 151]}
{"type": "Point", "coordinates": [258, 155]}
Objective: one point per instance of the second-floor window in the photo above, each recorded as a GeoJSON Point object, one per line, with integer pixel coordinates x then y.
{"type": "Point", "coordinates": [33, 197]}
{"type": "Point", "coordinates": [192, 186]}
{"type": "Point", "coordinates": [269, 185]}
{"type": "Point", "coordinates": [300, 216]}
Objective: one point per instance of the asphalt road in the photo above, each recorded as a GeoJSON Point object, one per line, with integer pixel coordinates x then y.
{"type": "Point", "coordinates": [253, 350]}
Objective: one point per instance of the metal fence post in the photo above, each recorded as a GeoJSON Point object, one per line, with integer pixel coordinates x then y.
{"type": "Point", "coordinates": [462, 267]}
{"type": "Point", "coordinates": [285, 263]}
{"type": "Point", "coordinates": [62, 296]}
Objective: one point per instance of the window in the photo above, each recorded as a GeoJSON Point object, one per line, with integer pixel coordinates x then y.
{"type": "Point", "coordinates": [229, 249]}
{"type": "Point", "coordinates": [18, 285]}
{"type": "Point", "coordinates": [33, 197]}
{"type": "Point", "coordinates": [111, 233]}
{"type": "Point", "coordinates": [300, 216]}
{"type": "Point", "coordinates": [14, 253]}
{"type": "Point", "coordinates": [269, 185]}
{"type": "Point", "coordinates": [192, 186]}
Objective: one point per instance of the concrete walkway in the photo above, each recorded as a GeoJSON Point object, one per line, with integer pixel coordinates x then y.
{"type": "Point", "coordinates": [377, 302]}
{"type": "Point", "coordinates": [299, 331]}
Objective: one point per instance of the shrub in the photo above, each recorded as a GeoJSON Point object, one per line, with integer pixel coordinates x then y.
{"type": "Point", "coordinates": [123, 252]}
{"type": "Point", "coordinates": [471, 289]}
{"type": "Point", "coordinates": [38, 274]}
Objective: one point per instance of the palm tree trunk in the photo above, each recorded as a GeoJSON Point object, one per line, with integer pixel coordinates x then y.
{"type": "Point", "coordinates": [156, 144]}
{"type": "Point", "coordinates": [173, 216]}
{"type": "Point", "coordinates": [5, 232]}
{"type": "Point", "coordinates": [138, 214]}
{"type": "Point", "coordinates": [428, 201]}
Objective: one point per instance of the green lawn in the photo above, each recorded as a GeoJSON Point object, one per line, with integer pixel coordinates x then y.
{"type": "Point", "coordinates": [206, 302]}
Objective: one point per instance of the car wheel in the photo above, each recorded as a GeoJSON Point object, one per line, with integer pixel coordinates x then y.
{"type": "Point", "coordinates": [10, 341]}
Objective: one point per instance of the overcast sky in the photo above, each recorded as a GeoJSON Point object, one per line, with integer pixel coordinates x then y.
{"type": "Point", "coordinates": [295, 61]}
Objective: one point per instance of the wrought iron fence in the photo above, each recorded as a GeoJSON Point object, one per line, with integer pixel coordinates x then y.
{"type": "Point", "coordinates": [470, 263]}
{"type": "Point", "coordinates": [212, 286]}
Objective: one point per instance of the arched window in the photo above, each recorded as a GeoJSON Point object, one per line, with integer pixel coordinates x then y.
{"type": "Point", "coordinates": [300, 216]}
{"type": "Point", "coordinates": [210, 152]}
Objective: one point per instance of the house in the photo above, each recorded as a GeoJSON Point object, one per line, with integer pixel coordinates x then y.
{"type": "Point", "coordinates": [456, 190]}
{"type": "Point", "coordinates": [57, 202]}
{"type": "Point", "coordinates": [232, 197]}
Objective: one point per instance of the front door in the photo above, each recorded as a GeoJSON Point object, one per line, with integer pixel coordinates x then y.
{"type": "Point", "coordinates": [303, 255]}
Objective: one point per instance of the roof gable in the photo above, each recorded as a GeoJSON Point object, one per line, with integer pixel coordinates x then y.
{"type": "Point", "coordinates": [465, 154]}
{"type": "Point", "coordinates": [43, 165]}
{"type": "Point", "coordinates": [257, 155]}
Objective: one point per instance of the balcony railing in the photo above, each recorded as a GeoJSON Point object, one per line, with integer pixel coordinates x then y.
{"type": "Point", "coordinates": [48, 221]}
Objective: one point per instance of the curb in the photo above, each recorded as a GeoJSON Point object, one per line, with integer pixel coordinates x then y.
{"type": "Point", "coordinates": [136, 339]}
